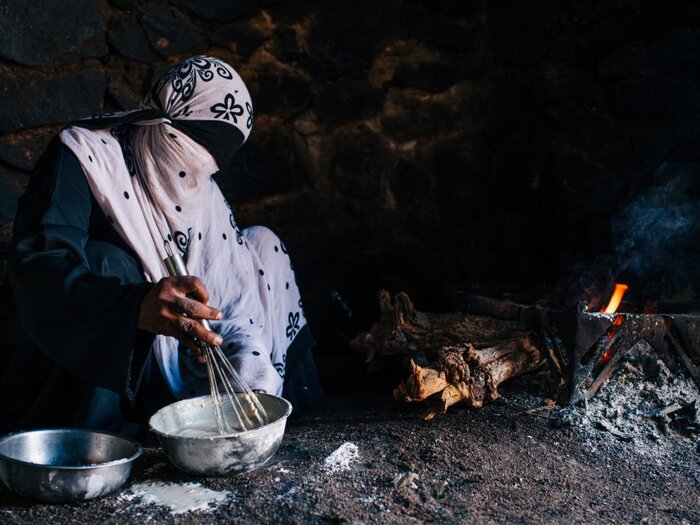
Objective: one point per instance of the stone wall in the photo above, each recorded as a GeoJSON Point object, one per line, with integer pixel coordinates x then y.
{"type": "Point", "coordinates": [400, 144]}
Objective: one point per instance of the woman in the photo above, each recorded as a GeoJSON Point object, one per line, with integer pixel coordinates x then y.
{"type": "Point", "coordinates": [102, 336]}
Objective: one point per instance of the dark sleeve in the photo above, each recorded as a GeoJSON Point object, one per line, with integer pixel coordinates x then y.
{"type": "Point", "coordinates": [85, 322]}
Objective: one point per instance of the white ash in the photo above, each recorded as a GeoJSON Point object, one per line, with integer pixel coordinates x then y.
{"type": "Point", "coordinates": [342, 458]}
{"type": "Point", "coordinates": [632, 405]}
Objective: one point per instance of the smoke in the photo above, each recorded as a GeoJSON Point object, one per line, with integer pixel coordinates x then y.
{"type": "Point", "coordinates": [656, 237]}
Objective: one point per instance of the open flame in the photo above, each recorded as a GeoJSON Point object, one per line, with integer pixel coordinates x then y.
{"type": "Point", "coordinates": [616, 298]}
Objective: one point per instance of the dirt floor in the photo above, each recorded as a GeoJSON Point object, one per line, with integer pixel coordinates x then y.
{"type": "Point", "coordinates": [495, 465]}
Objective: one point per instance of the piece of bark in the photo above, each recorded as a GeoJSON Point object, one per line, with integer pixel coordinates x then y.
{"type": "Point", "coordinates": [470, 356]}
{"type": "Point", "coordinates": [404, 330]}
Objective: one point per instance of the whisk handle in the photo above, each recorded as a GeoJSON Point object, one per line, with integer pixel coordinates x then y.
{"type": "Point", "coordinates": [176, 267]}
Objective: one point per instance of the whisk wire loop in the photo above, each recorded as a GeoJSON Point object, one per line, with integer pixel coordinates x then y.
{"type": "Point", "coordinates": [226, 385]}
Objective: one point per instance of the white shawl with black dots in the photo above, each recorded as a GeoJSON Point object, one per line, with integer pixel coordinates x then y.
{"type": "Point", "coordinates": [154, 184]}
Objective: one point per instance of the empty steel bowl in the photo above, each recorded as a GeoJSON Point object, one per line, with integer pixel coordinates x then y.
{"type": "Point", "coordinates": [215, 455]}
{"type": "Point", "coordinates": [62, 465]}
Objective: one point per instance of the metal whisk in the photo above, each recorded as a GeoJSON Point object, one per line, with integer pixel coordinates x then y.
{"type": "Point", "coordinates": [236, 406]}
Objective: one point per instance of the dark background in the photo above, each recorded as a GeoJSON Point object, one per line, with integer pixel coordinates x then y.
{"type": "Point", "coordinates": [410, 145]}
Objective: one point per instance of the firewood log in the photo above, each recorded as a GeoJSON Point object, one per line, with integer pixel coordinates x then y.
{"type": "Point", "coordinates": [469, 356]}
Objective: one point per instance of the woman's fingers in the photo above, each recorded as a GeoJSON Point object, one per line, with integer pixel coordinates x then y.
{"type": "Point", "coordinates": [193, 308]}
{"type": "Point", "coordinates": [190, 344]}
{"type": "Point", "coordinates": [189, 284]}
{"type": "Point", "coordinates": [167, 309]}
{"type": "Point", "coordinates": [195, 329]}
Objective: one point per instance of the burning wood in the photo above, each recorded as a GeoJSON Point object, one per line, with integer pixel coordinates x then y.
{"type": "Point", "coordinates": [467, 356]}
{"type": "Point", "coordinates": [600, 361]}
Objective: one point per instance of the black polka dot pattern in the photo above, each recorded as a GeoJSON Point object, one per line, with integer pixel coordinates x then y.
{"type": "Point", "coordinates": [103, 141]}
{"type": "Point", "coordinates": [255, 352]}
{"type": "Point", "coordinates": [178, 209]}
{"type": "Point", "coordinates": [223, 235]}
{"type": "Point", "coordinates": [286, 286]}
{"type": "Point", "coordinates": [90, 157]}
{"type": "Point", "coordinates": [200, 236]}
{"type": "Point", "coordinates": [126, 195]}
{"type": "Point", "coordinates": [261, 272]}
{"type": "Point", "coordinates": [182, 174]}
{"type": "Point", "coordinates": [268, 288]}
{"type": "Point", "coordinates": [251, 321]}
{"type": "Point", "coordinates": [170, 237]}
{"type": "Point", "coordinates": [277, 248]}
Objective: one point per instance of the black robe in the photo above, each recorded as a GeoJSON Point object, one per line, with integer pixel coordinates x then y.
{"type": "Point", "coordinates": [70, 353]}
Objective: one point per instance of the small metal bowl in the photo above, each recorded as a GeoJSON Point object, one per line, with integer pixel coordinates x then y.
{"type": "Point", "coordinates": [67, 464]}
{"type": "Point", "coordinates": [218, 455]}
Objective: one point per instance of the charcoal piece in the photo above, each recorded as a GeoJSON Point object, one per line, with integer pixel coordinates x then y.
{"type": "Point", "coordinates": [685, 418]}
{"type": "Point", "coordinates": [663, 411]}
{"type": "Point", "coordinates": [28, 99]}
{"type": "Point", "coordinates": [43, 31]}
{"type": "Point", "coordinates": [608, 427]}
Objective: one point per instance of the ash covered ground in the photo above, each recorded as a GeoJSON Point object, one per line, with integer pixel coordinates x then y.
{"type": "Point", "coordinates": [364, 458]}
{"type": "Point", "coordinates": [644, 404]}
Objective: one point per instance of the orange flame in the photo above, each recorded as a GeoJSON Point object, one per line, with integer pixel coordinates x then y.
{"type": "Point", "coordinates": [616, 298]}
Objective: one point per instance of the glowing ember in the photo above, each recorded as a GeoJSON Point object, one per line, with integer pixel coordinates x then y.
{"type": "Point", "coordinates": [616, 299]}
{"type": "Point", "coordinates": [610, 334]}
{"type": "Point", "coordinates": [617, 322]}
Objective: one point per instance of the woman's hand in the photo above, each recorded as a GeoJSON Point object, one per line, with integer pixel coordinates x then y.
{"type": "Point", "coordinates": [166, 309]}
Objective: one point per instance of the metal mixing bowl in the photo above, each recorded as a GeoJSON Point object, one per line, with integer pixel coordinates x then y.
{"type": "Point", "coordinates": [218, 455]}
{"type": "Point", "coordinates": [61, 465]}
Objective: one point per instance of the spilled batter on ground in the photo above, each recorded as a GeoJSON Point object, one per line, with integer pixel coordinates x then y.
{"type": "Point", "coordinates": [177, 497]}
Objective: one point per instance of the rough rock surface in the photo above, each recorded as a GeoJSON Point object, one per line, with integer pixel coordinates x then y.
{"type": "Point", "coordinates": [43, 31]}
{"type": "Point", "coordinates": [169, 33]}
{"type": "Point", "coordinates": [27, 101]}
{"type": "Point", "coordinates": [129, 39]}
{"type": "Point", "coordinates": [403, 145]}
